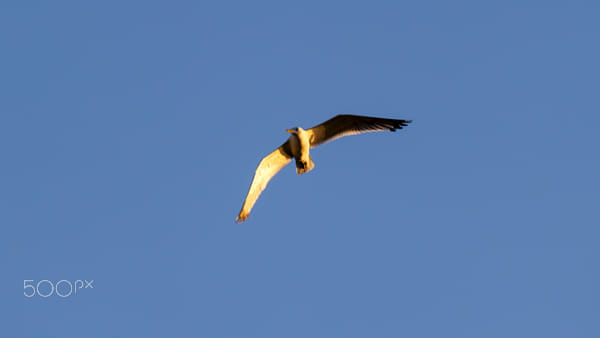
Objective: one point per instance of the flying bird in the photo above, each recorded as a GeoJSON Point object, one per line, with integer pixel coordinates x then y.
{"type": "Point", "coordinates": [299, 144]}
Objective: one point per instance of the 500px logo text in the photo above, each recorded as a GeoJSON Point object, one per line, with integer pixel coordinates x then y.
{"type": "Point", "coordinates": [63, 288]}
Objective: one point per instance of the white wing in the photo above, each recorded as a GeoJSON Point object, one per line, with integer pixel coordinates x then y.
{"type": "Point", "coordinates": [343, 125]}
{"type": "Point", "coordinates": [267, 168]}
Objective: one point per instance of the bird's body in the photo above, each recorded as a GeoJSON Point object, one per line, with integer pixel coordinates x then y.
{"type": "Point", "coordinates": [299, 144]}
{"type": "Point", "coordinates": [300, 147]}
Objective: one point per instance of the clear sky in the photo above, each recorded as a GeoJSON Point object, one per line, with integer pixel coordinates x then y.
{"type": "Point", "coordinates": [130, 131]}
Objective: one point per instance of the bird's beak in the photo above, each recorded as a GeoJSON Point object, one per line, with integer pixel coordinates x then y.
{"type": "Point", "coordinates": [288, 130]}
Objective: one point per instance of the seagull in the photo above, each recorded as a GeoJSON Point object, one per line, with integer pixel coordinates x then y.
{"type": "Point", "coordinates": [298, 147]}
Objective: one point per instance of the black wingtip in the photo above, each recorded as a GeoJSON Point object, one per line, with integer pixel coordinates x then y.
{"type": "Point", "coordinates": [399, 124]}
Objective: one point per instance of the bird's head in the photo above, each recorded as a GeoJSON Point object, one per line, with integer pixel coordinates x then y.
{"type": "Point", "coordinates": [294, 130]}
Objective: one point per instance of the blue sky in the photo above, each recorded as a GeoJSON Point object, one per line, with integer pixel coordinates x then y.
{"type": "Point", "coordinates": [129, 133]}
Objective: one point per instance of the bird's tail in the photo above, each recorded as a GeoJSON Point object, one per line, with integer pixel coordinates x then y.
{"type": "Point", "coordinates": [304, 167]}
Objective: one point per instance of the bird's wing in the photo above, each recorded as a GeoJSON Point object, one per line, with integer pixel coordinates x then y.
{"type": "Point", "coordinates": [343, 125]}
{"type": "Point", "coordinates": [267, 168]}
